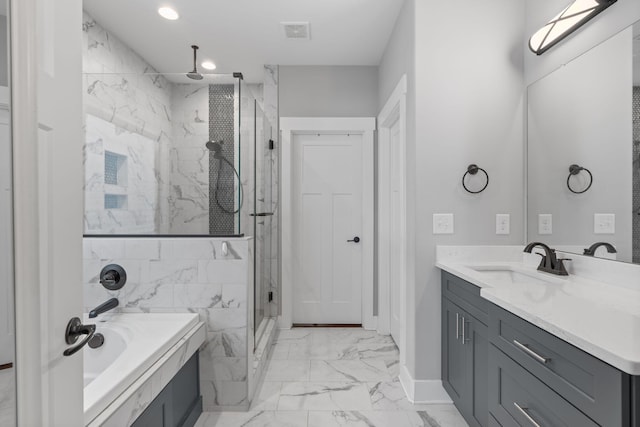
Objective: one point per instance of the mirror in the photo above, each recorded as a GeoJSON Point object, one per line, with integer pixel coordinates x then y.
{"type": "Point", "coordinates": [7, 334]}
{"type": "Point", "coordinates": [583, 153]}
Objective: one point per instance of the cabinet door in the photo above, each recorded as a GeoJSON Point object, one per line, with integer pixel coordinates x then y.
{"type": "Point", "coordinates": [454, 355]}
{"type": "Point", "coordinates": [476, 335]}
{"type": "Point", "coordinates": [159, 413]}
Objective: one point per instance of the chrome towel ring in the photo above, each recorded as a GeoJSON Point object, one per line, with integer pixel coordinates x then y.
{"type": "Point", "coordinates": [575, 170]}
{"type": "Point", "coordinates": [473, 170]}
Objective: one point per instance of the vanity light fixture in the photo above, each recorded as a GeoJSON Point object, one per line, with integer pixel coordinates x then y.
{"type": "Point", "coordinates": [168, 13]}
{"type": "Point", "coordinates": [208, 65]}
{"type": "Point", "coordinates": [566, 22]}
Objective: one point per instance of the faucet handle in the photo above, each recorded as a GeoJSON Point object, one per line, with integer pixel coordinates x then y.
{"type": "Point", "coordinates": [562, 271]}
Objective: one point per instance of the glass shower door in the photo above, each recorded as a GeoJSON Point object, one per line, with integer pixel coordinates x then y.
{"type": "Point", "coordinates": [263, 222]}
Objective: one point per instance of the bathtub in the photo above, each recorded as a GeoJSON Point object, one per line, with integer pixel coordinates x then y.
{"type": "Point", "coordinates": [134, 343]}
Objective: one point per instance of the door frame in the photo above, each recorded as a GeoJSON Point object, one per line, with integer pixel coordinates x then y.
{"type": "Point", "coordinates": [395, 110]}
{"type": "Point", "coordinates": [289, 127]}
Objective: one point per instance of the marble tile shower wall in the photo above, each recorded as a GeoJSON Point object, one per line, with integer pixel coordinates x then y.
{"type": "Point", "coordinates": [188, 275]}
{"type": "Point", "coordinates": [117, 90]}
{"type": "Point", "coordinates": [189, 197]}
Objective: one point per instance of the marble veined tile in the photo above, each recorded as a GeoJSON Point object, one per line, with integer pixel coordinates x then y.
{"type": "Point", "coordinates": [437, 416]}
{"type": "Point", "coordinates": [253, 419]}
{"type": "Point", "coordinates": [293, 336]}
{"type": "Point", "coordinates": [349, 370]}
{"type": "Point", "coordinates": [363, 419]}
{"type": "Point", "coordinates": [330, 396]}
{"type": "Point", "coordinates": [280, 351]}
{"type": "Point", "coordinates": [287, 370]}
{"type": "Point", "coordinates": [267, 397]}
{"type": "Point", "coordinates": [390, 396]}
{"type": "Point", "coordinates": [378, 350]}
{"type": "Point", "coordinates": [327, 351]}
{"type": "Point", "coordinates": [7, 398]}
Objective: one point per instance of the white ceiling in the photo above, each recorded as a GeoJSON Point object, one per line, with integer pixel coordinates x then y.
{"type": "Point", "coordinates": [243, 35]}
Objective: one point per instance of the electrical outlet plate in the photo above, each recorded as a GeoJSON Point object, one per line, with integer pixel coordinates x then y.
{"type": "Point", "coordinates": [503, 224]}
{"type": "Point", "coordinates": [604, 224]}
{"type": "Point", "coordinates": [442, 223]}
{"type": "Point", "coordinates": [545, 224]}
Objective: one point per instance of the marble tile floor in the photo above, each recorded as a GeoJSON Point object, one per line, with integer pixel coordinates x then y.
{"type": "Point", "coordinates": [7, 398]}
{"type": "Point", "coordinates": [333, 377]}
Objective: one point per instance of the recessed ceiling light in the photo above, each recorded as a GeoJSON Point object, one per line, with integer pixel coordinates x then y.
{"type": "Point", "coordinates": [208, 65]}
{"type": "Point", "coordinates": [168, 13]}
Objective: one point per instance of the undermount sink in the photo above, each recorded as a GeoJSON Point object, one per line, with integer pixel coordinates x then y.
{"type": "Point", "coordinates": [512, 276]}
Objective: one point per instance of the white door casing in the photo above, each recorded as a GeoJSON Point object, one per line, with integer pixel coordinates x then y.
{"type": "Point", "coordinates": [327, 205]}
{"type": "Point", "coordinates": [396, 247]}
{"type": "Point", "coordinates": [392, 218]}
{"type": "Point", "coordinates": [290, 127]}
{"type": "Point", "coordinates": [46, 38]}
{"type": "Point", "coordinates": [6, 235]}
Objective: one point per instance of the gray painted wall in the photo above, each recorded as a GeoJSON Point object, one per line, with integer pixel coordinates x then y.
{"type": "Point", "coordinates": [327, 91]}
{"type": "Point", "coordinates": [4, 51]}
{"type": "Point", "coordinates": [567, 125]}
{"type": "Point", "coordinates": [469, 109]}
{"type": "Point", "coordinates": [457, 114]}
{"type": "Point", "coordinates": [450, 124]}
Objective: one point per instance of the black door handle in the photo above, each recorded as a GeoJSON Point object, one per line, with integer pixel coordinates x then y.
{"type": "Point", "coordinates": [355, 240]}
{"type": "Point", "coordinates": [75, 329]}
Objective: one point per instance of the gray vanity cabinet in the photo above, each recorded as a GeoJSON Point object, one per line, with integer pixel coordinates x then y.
{"type": "Point", "coordinates": [464, 349]}
{"type": "Point", "coordinates": [501, 370]}
{"type": "Point", "coordinates": [179, 404]}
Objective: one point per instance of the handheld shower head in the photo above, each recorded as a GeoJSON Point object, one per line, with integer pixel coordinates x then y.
{"type": "Point", "coordinates": [215, 147]}
{"type": "Point", "coordinates": [195, 75]}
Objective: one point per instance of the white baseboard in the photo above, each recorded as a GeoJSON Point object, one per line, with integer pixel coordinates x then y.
{"type": "Point", "coordinates": [422, 391]}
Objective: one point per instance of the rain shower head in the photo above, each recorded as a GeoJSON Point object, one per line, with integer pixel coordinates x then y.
{"type": "Point", "coordinates": [195, 75]}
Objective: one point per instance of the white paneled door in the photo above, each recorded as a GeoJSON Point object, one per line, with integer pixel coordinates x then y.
{"type": "Point", "coordinates": [46, 79]}
{"type": "Point", "coordinates": [327, 212]}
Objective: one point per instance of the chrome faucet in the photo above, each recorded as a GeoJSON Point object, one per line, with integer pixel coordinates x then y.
{"type": "Point", "coordinates": [550, 262]}
{"type": "Point", "coordinates": [103, 308]}
{"type": "Point", "coordinates": [592, 249]}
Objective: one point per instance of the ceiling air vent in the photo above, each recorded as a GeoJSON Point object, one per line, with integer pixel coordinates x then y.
{"type": "Point", "coordinates": [296, 30]}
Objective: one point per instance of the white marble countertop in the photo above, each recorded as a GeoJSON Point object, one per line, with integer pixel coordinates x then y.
{"type": "Point", "coordinates": [600, 318]}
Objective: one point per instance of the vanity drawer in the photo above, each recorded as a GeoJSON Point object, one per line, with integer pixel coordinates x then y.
{"type": "Point", "coordinates": [591, 385]}
{"type": "Point", "coordinates": [517, 398]}
{"type": "Point", "coordinates": [466, 295]}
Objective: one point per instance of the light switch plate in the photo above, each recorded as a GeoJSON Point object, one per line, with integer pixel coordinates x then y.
{"type": "Point", "coordinates": [545, 224]}
{"type": "Point", "coordinates": [503, 224]}
{"type": "Point", "coordinates": [442, 223]}
{"type": "Point", "coordinates": [604, 224]}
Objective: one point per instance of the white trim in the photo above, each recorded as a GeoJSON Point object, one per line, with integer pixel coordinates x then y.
{"type": "Point", "coordinates": [422, 391]}
{"type": "Point", "coordinates": [24, 125]}
{"type": "Point", "coordinates": [393, 111]}
{"type": "Point", "coordinates": [290, 126]}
